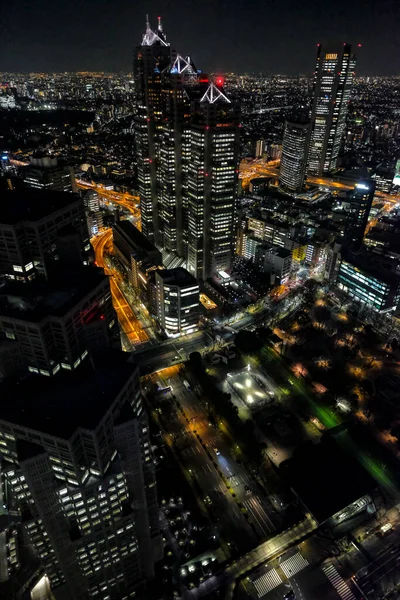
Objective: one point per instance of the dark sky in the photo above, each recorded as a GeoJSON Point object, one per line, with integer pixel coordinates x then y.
{"type": "Point", "coordinates": [273, 36]}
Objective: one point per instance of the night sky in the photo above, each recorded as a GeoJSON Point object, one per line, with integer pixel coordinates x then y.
{"type": "Point", "coordinates": [270, 36]}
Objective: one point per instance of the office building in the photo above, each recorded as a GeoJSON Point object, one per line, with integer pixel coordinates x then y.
{"type": "Point", "coordinates": [32, 223]}
{"type": "Point", "coordinates": [55, 322]}
{"type": "Point", "coordinates": [137, 255]}
{"type": "Point", "coordinates": [360, 202]}
{"type": "Point", "coordinates": [294, 156]}
{"type": "Point", "coordinates": [333, 79]}
{"type": "Point", "coordinates": [275, 151]}
{"type": "Point", "coordinates": [45, 173]}
{"type": "Point", "coordinates": [250, 246]}
{"type": "Point", "coordinates": [260, 148]}
{"type": "Point", "coordinates": [94, 214]}
{"type": "Point", "coordinates": [177, 301]}
{"type": "Point", "coordinates": [370, 280]}
{"type": "Point", "coordinates": [274, 260]}
{"type": "Point", "coordinates": [78, 482]}
{"type": "Point", "coordinates": [187, 143]}
{"type": "Point", "coordinates": [151, 58]}
{"type": "Point", "coordinates": [212, 183]}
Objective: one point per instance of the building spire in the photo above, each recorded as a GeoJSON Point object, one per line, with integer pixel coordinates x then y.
{"type": "Point", "coordinates": [147, 23]}
{"type": "Point", "coordinates": [159, 24]}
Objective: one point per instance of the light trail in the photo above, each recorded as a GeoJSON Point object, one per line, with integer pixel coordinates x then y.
{"type": "Point", "coordinates": [128, 321]}
{"type": "Point", "coordinates": [259, 168]}
{"type": "Point", "coordinates": [123, 199]}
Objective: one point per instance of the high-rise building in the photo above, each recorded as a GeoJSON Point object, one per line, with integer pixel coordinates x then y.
{"type": "Point", "coordinates": [45, 173]}
{"type": "Point", "coordinates": [333, 79]}
{"type": "Point", "coordinates": [360, 202]}
{"type": "Point", "coordinates": [177, 301]}
{"type": "Point", "coordinates": [31, 225]}
{"type": "Point", "coordinates": [187, 139]}
{"type": "Point", "coordinates": [94, 215]}
{"type": "Point", "coordinates": [260, 147]}
{"type": "Point", "coordinates": [370, 280]}
{"type": "Point", "coordinates": [212, 183]}
{"type": "Point", "coordinates": [151, 58]}
{"type": "Point", "coordinates": [77, 485]}
{"type": "Point", "coordinates": [78, 481]}
{"type": "Point", "coordinates": [294, 156]}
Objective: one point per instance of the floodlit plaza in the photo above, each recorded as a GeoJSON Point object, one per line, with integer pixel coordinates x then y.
{"type": "Point", "coordinates": [253, 388]}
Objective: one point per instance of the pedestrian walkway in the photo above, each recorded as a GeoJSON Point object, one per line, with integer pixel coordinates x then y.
{"type": "Point", "coordinates": [267, 582]}
{"type": "Point", "coordinates": [293, 565]}
{"type": "Point", "coordinates": [338, 583]}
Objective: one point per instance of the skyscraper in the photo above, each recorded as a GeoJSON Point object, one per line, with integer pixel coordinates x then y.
{"type": "Point", "coordinates": [78, 479]}
{"type": "Point", "coordinates": [212, 183]}
{"type": "Point", "coordinates": [77, 483]}
{"type": "Point", "coordinates": [333, 78]}
{"type": "Point", "coordinates": [150, 59]}
{"type": "Point", "coordinates": [187, 140]}
{"type": "Point", "coordinates": [294, 156]}
{"type": "Point", "coordinates": [260, 147]}
{"type": "Point", "coordinates": [360, 202]}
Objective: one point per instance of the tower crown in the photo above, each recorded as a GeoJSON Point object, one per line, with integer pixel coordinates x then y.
{"type": "Point", "coordinates": [213, 94]}
{"type": "Point", "coordinates": [154, 37]}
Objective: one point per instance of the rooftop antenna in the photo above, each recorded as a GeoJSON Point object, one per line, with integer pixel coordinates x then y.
{"type": "Point", "coordinates": [147, 23]}
{"type": "Point", "coordinates": [159, 24]}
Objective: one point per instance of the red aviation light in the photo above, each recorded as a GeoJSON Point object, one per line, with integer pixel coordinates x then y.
{"type": "Point", "coordinates": [219, 81]}
{"type": "Point", "coordinates": [359, 45]}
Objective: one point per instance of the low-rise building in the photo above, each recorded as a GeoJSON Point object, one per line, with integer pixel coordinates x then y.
{"type": "Point", "coordinates": [137, 254]}
{"type": "Point", "coordinates": [177, 301]}
{"type": "Point", "coordinates": [370, 280]}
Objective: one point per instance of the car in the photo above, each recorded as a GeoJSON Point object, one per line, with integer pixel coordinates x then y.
{"type": "Point", "coordinates": [217, 452]}
{"type": "Point", "coordinates": [290, 595]}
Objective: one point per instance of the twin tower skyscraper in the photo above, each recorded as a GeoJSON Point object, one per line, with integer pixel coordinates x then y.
{"type": "Point", "coordinates": [313, 146]}
{"type": "Point", "coordinates": [187, 146]}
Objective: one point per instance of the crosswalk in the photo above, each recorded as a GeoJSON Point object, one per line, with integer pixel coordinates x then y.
{"type": "Point", "coordinates": [293, 565]}
{"type": "Point", "coordinates": [338, 583]}
{"type": "Point", "coordinates": [267, 582]}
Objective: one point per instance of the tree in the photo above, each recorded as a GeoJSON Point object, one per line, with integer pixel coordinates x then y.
{"type": "Point", "coordinates": [196, 362]}
{"type": "Point", "coordinates": [248, 342]}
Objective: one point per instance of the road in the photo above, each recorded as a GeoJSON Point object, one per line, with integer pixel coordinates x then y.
{"type": "Point", "coordinates": [222, 449]}
{"type": "Point", "coordinates": [131, 326]}
{"type": "Point", "coordinates": [198, 462]}
{"type": "Point", "coordinates": [259, 168]}
{"type": "Point", "coordinates": [123, 199]}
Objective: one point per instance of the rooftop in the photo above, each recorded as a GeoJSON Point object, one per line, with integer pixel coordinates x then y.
{"type": "Point", "coordinates": [59, 405]}
{"type": "Point", "coordinates": [54, 297]}
{"type": "Point", "coordinates": [135, 237]}
{"type": "Point", "coordinates": [377, 266]}
{"type": "Point", "coordinates": [32, 205]}
{"type": "Point", "coordinates": [325, 478]}
{"type": "Point", "coordinates": [178, 276]}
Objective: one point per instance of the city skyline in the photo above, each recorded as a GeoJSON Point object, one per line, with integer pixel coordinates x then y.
{"type": "Point", "coordinates": [274, 40]}
{"type": "Point", "coordinates": [199, 305]}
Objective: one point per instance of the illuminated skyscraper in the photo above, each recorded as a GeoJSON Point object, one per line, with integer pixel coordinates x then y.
{"type": "Point", "coordinates": [212, 183]}
{"type": "Point", "coordinates": [294, 156]}
{"type": "Point", "coordinates": [360, 202]}
{"type": "Point", "coordinates": [333, 78]}
{"type": "Point", "coordinates": [187, 140]}
{"type": "Point", "coordinates": [150, 59]}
